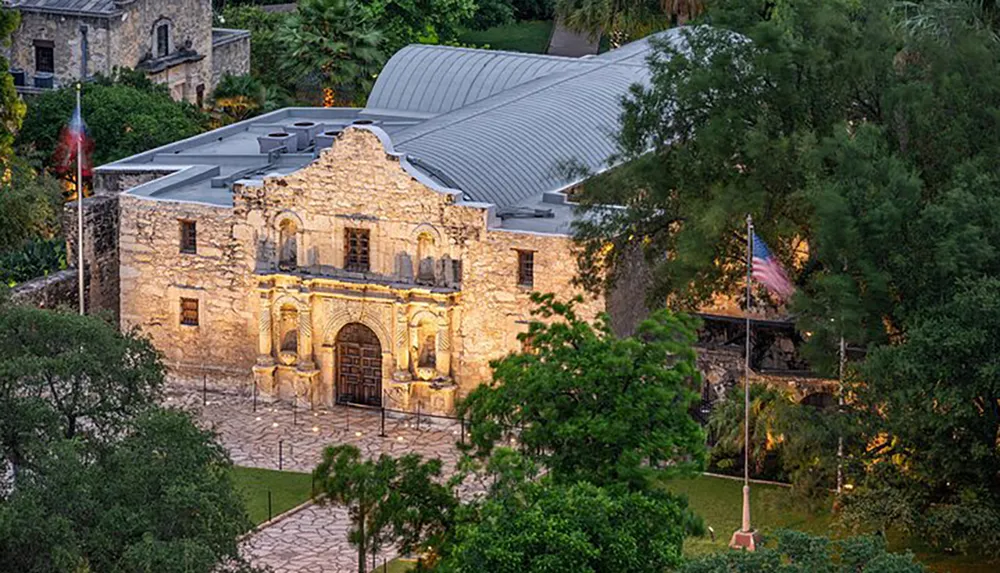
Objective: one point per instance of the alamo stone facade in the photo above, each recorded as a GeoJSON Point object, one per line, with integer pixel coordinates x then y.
{"type": "Point", "coordinates": [59, 42]}
{"type": "Point", "coordinates": [274, 294]}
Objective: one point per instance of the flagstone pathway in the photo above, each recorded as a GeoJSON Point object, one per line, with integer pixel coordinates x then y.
{"type": "Point", "coordinates": [315, 538]}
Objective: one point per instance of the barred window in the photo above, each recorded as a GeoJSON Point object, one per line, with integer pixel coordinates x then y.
{"type": "Point", "coordinates": [189, 237]}
{"type": "Point", "coordinates": [356, 253]}
{"type": "Point", "coordinates": [162, 40]}
{"type": "Point", "coordinates": [189, 311]}
{"type": "Point", "coordinates": [526, 268]}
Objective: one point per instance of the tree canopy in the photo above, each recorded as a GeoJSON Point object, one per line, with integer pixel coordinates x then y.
{"type": "Point", "coordinates": [125, 115]}
{"type": "Point", "coordinates": [591, 406]}
{"type": "Point", "coordinates": [96, 476]}
{"type": "Point", "coordinates": [579, 527]}
{"type": "Point", "coordinates": [865, 150]}
{"type": "Point", "coordinates": [11, 106]}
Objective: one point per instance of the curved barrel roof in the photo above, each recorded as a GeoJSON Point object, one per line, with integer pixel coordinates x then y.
{"type": "Point", "coordinates": [430, 80]}
{"type": "Point", "coordinates": [507, 125]}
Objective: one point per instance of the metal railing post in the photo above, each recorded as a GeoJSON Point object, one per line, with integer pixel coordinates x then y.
{"type": "Point", "coordinates": [382, 432]}
{"type": "Point", "coordinates": [281, 454]}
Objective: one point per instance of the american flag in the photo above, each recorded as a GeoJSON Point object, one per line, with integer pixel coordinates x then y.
{"type": "Point", "coordinates": [74, 136]}
{"type": "Point", "coordinates": [767, 270]}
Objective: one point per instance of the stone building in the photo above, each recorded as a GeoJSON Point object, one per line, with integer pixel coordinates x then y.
{"type": "Point", "coordinates": [61, 41]}
{"type": "Point", "coordinates": [381, 256]}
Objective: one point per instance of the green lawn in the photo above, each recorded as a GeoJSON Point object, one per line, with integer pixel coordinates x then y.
{"type": "Point", "coordinates": [288, 489]}
{"type": "Point", "coordinates": [527, 36]}
{"type": "Point", "coordinates": [719, 502]}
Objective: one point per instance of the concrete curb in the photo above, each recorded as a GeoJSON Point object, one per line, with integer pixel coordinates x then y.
{"type": "Point", "coordinates": [279, 518]}
{"type": "Point", "coordinates": [736, 478]}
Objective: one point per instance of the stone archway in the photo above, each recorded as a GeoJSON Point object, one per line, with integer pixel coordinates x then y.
{"type": "Point", "coordinates": [358, 372]}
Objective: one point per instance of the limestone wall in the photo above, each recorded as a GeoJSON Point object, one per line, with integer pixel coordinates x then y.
{"type": "Point", "coordinates": [190, 21]}
{"type": "Point", "coordinates": [64, 32]}
{"type": "Point", "coordinates": [100, 253]}
{"type": "Point", "coordinates": [50, 291]}
{"type": "Point", "coordinates": [230, 56]}
{"type": "Point", "coordinates": [155, 275]}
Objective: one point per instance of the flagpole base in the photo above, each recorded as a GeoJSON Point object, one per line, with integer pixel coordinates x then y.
{"type": "Point", "coordinates": [746, 540]}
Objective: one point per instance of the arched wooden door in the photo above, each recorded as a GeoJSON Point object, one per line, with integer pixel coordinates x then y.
{"type": "Point", "coordinates": [359, 366]}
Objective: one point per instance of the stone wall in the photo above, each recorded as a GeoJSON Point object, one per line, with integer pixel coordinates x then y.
{"type": "Point", "coordinates": [113, 182]}
{"type": "Point", "coordinates": [231, 55]}
{"type": "Point", "coordinates": [100, 253]}
{"type": "Point", "coordinates": [65, 34]}
{"type": "Point", "coordinates": [155, 275]}
{"type": "Point", "coordinates": [51, 291]}
{"type": "Point", "coordinates": [190, 21]}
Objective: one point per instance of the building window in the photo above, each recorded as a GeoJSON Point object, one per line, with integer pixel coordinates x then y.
{"type": "Point", "coordinates": [189, 237]}
{"type": "Point", "coordinates": [456, 271]}
{"type": "Point", "coordinates": [288, 245]}
{"type": "Point", "coordinates": [44, 57]}
{"type": "Point", "coordinates": [200, 95]}
{"type": "Point", "coordinates": [189, 311]}
{"type": "Point", "coordinates": [356, 257]}
{"type": "Point", "coordinates": [162, 40]}
{"type": "Point", "coordinates": [526, 268]}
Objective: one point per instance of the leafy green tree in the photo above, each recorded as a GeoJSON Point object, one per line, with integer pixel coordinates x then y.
{"type": "Point", "coordinates": [30, 205]}
{"type": "Point", "coordinates": [338, 41]}
{"type": "Point", "coordinates": [390, 501]}
{"type": "Point", "coordinates": [403, 22]}
{"type": "Point", "coordinates": [157, 498]}
{"type": "Point", "coordinates": [266, 37]}
{"type": "Point", "coordinates": [726, 427]}
{"type": "Point", "coordinates": [124, 116]}
{"type": "Point", "coordinates": [590, 406]}
{"type": "Point", "coordinates": [65, 376]}
{"type": "Point", "coordinates": [727, 126]}
{"type": "Point", "coordinates": [939, 416]}
{"type": "Point", "coordinates": [11, 106]}
{"type": "Point", "coordinates": [625, 19]}
{"type": "Point", "coordinates": [575, 527]}
{"type": "Point", "coordinates": [798, 552]}
{"type": "Point", "coordinates": [837, 127]}
{"type": "Point", "coordinates": [241, 97]}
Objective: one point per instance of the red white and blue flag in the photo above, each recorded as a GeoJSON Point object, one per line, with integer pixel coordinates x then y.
{"type": "Point", "coordinates": [74, 137]}
{"type": "Point", "coordinates": [766, 270]}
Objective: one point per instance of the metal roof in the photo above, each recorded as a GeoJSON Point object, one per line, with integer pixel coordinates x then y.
{"type": "Point", "coordinates": [431, 80]}
{"type": "Point", "coordinates": [69, 7]}
{"type": "Point", "coordinates": [517, 142]}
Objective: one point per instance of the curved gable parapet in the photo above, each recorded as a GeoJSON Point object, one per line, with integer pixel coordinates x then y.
{"type": "Point", "coordinates": [431, 80]}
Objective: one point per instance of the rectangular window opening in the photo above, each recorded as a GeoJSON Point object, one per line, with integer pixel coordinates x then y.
{"type": "Point", "coordinates": [526, 268]}
{"type": "Point", "coordinates": [44, 57]}
{"type": "Point", "coordinates": [162, 40]}
{"type": "Point", "coordinates": [189, 311]}
{"type": "Point", "coordinates": [189, 237]}
{"type": "Point", "coordinates": [356, 250]}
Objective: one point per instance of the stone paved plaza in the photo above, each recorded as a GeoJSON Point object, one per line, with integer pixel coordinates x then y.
{"type": "Point", "coordinates": [315, 538]}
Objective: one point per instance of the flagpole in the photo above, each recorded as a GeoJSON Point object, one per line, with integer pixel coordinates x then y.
{"type": "Point", "coordinates": [79, 206]}
{"type": "Point", "coordinates": [840, 408]}
{"type": "Point", "coordinates": [746, 386]}
{"type": "Point", "coordinates": [745, 537]}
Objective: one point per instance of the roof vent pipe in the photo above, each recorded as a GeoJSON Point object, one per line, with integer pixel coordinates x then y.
{"type": "Point", "coordinates": [304, 131]}
{"type": "Point", "coordinates": [325, 138]}
{"type": "Point", "coordinates": [278, 140]}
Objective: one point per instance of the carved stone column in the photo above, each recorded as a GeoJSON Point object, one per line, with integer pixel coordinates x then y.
{"type": "Point", "coordinates": [306, 375]}
{"type": "Point", "coordinates": [263, 371]}
{"type": "Point", "coordinates": [443, 362]}
{"type": "Point", "coordinates": [305, 345]}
